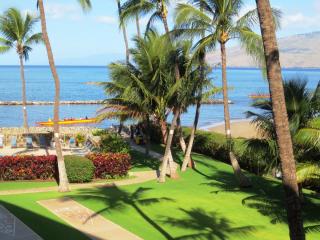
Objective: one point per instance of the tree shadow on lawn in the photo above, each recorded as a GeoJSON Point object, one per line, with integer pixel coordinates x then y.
{"type": "Point", "coordinates": [117, 199]}
{"type": "Point", "coordinates": [267, 197]}
{"type": "Point", "coordinates": [140, 160]}
{"type": "Point", "coordinates": [47, 228]}
{"type": "Point", "coordinates": [208, 225]}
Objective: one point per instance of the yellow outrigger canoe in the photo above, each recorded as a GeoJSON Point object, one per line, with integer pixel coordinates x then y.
{"type": "Point", "coordinates": [69, 122]}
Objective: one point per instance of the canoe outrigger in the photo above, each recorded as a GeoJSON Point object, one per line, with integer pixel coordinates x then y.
{"type": "Point", "coordinates": [69, 122]}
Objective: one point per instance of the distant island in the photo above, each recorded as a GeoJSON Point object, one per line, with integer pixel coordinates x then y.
{"type": "Point", "coordinates": [297, 51]}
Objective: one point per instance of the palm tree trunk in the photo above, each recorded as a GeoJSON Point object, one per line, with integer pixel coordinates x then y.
{"type": "Point", "coordinates": [166, 161]}
{"type": "Point", "coordinates": [181, 139]}
{"type": "Point", "coordinates": [281, 122]}
{"type": "Point", "coordinates": [138, 26]}
{"type": "Point", "coordinates": [24, 98]}
{"type": "Point", "coordinates": [163, 126]}
{"type": "Point", "coordinates": [63, 179]}
{"type": "Point", "coordinates": [242, 179]}
{"type": "Point", "coordinates": [167, 158]}
{"type": "Point", "coordinates": [187, 157]}
{"type": "Point", "coordinates": [147, 135]}
{"type": "Point", "coordinates": [124, 32]}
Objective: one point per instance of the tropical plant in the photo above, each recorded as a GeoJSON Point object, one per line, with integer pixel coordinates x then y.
{"type": "Point", "coordinates": [63, 179]}
{"type": "Point", "coordinates": [280, 119]}
{"type": "Point", "coordinates": [304, 124]}
{"type": "Point", "coordinates": [17, 32]}
{"type": "Point", "coordinates": [218, 22]}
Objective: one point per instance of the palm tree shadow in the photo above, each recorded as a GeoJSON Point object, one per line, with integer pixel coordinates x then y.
{"type": "Point", "coordinates": [208, 225]}
{"type": "Point", "coordinates": [272, 205]}
{"type": "Point", "coordinates": [118, 200]}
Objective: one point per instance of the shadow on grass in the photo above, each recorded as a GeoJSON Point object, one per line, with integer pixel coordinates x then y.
{"type": "Point", "coordinates": [267, 197]}
{"type": "Point", "coordinates": [208, 225]}
{"type": "Point", "coordinates": [141, 161]}
{"type": "Point", "coordinates": [47, 228]}
{"type": "Point", "coordinates": [117, 199]}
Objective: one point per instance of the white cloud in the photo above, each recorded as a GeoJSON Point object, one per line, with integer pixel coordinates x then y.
{"type": "Point", "coordinates": [299, 19]}
{"type": "Point", "coordinates": [59, 11]}
{"type": "Point", "coordinates": [106, 19]}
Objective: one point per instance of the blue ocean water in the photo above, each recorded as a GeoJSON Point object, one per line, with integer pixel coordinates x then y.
{"type": "Point", "coordinates": [40, 87]}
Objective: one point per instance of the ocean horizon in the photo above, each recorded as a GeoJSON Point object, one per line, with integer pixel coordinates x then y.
{"type": "Point", "coordinates": [74, 79]}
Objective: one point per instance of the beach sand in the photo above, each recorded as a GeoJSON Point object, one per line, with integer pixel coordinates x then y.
{"type": "Point", "coordinates": [242, 129]}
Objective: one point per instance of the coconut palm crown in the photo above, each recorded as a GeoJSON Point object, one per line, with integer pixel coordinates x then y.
{"type": "Point", "coordinates": [17, 33]}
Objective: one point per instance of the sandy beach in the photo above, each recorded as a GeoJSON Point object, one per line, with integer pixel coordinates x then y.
{"type": "Point", "coordinates": [239, 128]}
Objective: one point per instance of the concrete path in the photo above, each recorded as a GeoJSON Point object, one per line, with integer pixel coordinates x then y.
{"type": "Point", "coordinates": [138, 177]}
{"type": "Point", "coordinates": [83, 219]}
{"type": "Point", "coordinates": [11, 228]}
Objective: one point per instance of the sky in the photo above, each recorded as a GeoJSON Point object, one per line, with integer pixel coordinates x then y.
{"type": "Point", "coordinates": [94, 38]}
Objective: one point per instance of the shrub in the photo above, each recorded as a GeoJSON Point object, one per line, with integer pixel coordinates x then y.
{"type": "Point", "coordinates": [79, 169]}
{"type": "Point", "coordinates": [110, 165]}
{"type": "Point", "coordinates": [27, 167]}
{"type": "Point", "coordinates": [80, 138]}
{"type": "Point", "coordinates": [113, 143]}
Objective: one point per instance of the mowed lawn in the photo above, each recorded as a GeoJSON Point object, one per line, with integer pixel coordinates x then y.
{"type": "Point", "coordinates": [201, 204]}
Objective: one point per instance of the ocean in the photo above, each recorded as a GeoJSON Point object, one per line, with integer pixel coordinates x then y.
{"type": "Point", "coordinates": [74, 79]}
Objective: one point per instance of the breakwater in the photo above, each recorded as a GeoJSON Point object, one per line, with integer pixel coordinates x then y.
{"type": "Point", "coordinates": [89, 102]}
{"type": "Point", "coordinates": [14, 103]}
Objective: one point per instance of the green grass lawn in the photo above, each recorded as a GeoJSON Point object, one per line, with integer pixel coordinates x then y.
{"type": "Point", "coordinates": [17, 185]}
{"type": "Point", "coordinates": [201, 204]}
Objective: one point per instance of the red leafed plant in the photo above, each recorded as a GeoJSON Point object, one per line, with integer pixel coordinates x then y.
{"type": "Point", "coordinates": [27, 167]}
{"type": "Point", "coordinates": [110, 165]}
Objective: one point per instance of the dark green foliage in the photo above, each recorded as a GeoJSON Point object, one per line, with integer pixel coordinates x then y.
{"type": "Point", "coordinates": [113, 143]}
{"type": "Point", "coordinates": [79, 169]}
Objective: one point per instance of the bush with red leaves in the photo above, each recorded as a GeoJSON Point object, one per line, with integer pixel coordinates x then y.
{"type": "Point", "coordinates": [110, 165]}
{"type": "Point", "coordinates": [27, 167]}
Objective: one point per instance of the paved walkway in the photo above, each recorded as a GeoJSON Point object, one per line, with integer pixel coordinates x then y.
{"type": "Point", "coordinates": [138, 177]}
{"type": "Point", "coordinates": [85, 220]}
{"type": "Point", "coordinates": [11, 228]}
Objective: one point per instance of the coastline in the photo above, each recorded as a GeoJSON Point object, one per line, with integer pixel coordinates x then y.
{"type": "Point", "coordinates": [240, 128]}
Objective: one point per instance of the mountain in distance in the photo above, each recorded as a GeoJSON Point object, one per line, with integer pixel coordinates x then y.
{"type": "Point", "coordinates": [297, 51]}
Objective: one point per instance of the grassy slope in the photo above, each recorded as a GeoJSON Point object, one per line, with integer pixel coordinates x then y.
{"type": "Point", "coordinates": [189, 205]}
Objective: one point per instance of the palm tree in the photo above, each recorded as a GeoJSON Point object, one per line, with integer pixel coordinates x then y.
{"type": "Point", "coordinates": [218, 23]}
{"type": "Point", "coordinates": [158, 10]}
{"type": "Point", "coordinates": [127, 6]}
{"type": "Point", "coordinates": [144, 87]}
{"type": "Point", "coordinates": [280, 117]}
{"type": "Point", "coordinates": [63, 179]}
{"type": "Point", "coordinates": [18, 34]}
{"type": "Point", "coordinates": [304, 124]}
{"type": "Point", "coordinates": [124, 31]}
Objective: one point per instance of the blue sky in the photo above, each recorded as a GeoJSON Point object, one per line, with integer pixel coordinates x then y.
{"type": "Point", "coordinates": [95, 39]}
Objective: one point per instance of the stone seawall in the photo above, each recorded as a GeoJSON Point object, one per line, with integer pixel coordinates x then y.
{"type": "Point", "coordinates": [15, 103]}
{"type": "Point", "coordinates": [90, 102]}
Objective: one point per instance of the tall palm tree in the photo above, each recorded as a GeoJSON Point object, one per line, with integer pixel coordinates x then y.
{"type": "Point", "coordinates": [124, 31]}
{"type": "Point", "coordinates": [218, 23]}
{"type": "Point", "coordinates": [63, 179]}
{"type": "Point", "coordinates": [281, 123]}
{"type": "Point", "coordinates": [159, 11]}
{"type": "Point", "coordinates": [127, 6]}
{"type": "Point", "coordinates": [17, 32]}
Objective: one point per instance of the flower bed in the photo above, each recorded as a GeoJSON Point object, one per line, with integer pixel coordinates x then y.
{"type": "Point", "coordinates": [27, 167]}
{"type": "Point", "coordinates": [110, 165]}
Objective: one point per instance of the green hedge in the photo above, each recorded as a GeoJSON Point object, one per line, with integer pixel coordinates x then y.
{"type": "Point", "coordinates": [113, 143]}
{"type": "Point", "coordinates": [79, 169]}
